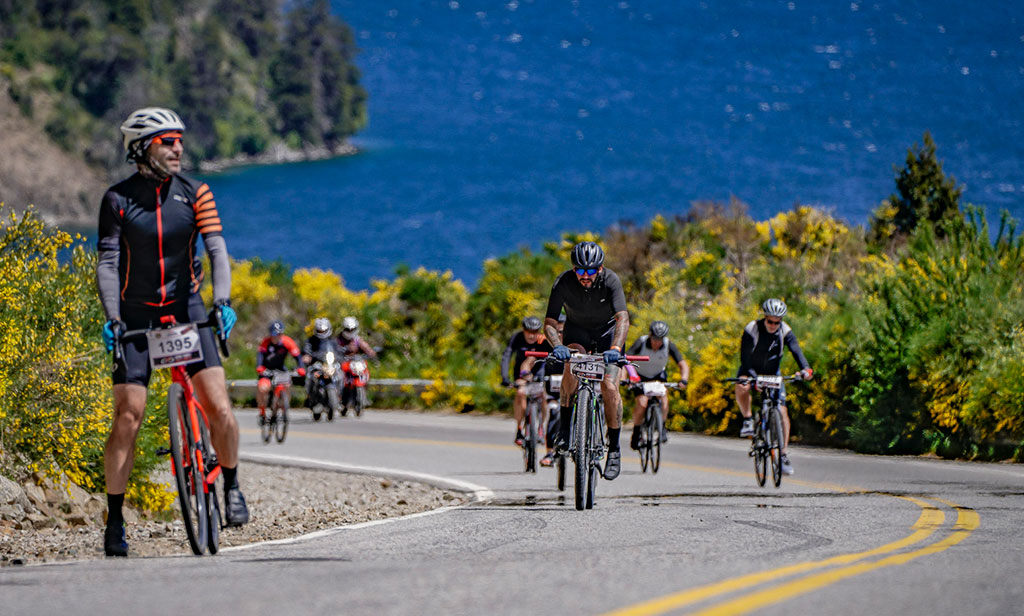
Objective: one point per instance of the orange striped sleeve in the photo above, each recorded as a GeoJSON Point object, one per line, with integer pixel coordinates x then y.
{"type": "Point", "coordinates": [207, 219]}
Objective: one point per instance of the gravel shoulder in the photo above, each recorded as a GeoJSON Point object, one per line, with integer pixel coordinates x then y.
{"type": "Point", "coordinates": [283, 502]}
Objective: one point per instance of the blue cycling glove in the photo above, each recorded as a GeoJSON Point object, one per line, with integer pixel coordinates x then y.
{"type": "Point", "coordinates": [228, 318]}
{"type": "Point", "coordinates": [612, 356]}
{"type": "Point", "coordinates": [561, 352]}
{"type": "Point", "coordinates": [108, 333]}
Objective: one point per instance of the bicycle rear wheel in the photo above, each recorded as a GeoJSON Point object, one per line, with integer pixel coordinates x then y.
{"type": "Point", "coordinates": [645, 443]}
{"type": "Point", "coordinates": [190, 491]}
{"type": "Point", "coordinates": [580, 440]}
{"type": "Point", "coordinates": [530, 442]}
{"type": "Point", "coordinates": [654, 436]}
{"type": "Point", "coordinates": [281, 425]}
{"type": "Point", "coordinates": [560, 470]}
{"type": "Point", "coordinates": [775, 444]}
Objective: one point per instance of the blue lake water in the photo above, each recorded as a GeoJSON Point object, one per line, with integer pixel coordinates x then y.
{"type": "Point", "coordinates": [497, 125]}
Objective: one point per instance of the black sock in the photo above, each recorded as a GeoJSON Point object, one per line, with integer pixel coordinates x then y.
{"type": "Point", "coordinates": [565, 422]}
{"type": "Point", "coordinates": [230, 477]}
{"type": "Point", "coordinates": [114, 504]}
{"type": "Point", "coordinates": [613, 439]}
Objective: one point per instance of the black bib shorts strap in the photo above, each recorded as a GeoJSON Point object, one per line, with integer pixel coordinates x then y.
{"type": "Point", "coordinates": [594, 341]}
{"type": "Point", "coordinates": [134, 365]}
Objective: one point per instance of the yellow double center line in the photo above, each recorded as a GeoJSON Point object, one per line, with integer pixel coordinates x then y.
{"type": "Point", "coordinates": [842, 567]}
{"type": "Point", "coordinates": [828, 571]}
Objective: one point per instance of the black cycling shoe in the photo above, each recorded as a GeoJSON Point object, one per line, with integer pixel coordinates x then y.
{"type": "Point", "coordinates": [634, 441]}
{"type": "Point", "coordinates": [613, 465]}
{"type": "Point", "coordinates": [114, 543]}
{"type": "Point", "coordinates": [235, 511]}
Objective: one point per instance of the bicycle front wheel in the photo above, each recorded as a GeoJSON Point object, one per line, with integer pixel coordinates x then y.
{"type": "Point", "coordinates": [760, 450]}
{"type": "Point", "coordinates": [654, 435]}
{"type": "Point", "coordinates": [775, 444]}
{"type": "Point", "coordinates": [580, 455]}
{"type": "Point", "coordinates": [209, 489]}
{"type": "Point", "coordinates": [281, 425]}
{"type": "Point", "coordinates": [190, 492]}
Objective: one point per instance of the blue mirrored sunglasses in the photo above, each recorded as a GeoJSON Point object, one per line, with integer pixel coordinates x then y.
{"type": "Point", "coordinates": [589, 272]}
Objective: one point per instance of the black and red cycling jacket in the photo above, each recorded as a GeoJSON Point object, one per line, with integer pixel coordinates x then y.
{"type": "Point", "coordinates": [272, 356]}
{"type": "Point", "coordinates": [149, 229]}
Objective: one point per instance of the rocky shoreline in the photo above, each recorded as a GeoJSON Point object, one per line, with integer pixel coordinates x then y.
{"type": "Point", "coordinates": [40, 522]}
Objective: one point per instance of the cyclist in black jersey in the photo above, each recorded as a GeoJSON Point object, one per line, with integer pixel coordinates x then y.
{"type": "Point", "coordinates": [148, 269]}
{"type": "Point", "coordinates": [761, 348]}
{"type": "Point", "coordinates": [529, 339]}
{"type": "Point", "coordinates": [596, 322]}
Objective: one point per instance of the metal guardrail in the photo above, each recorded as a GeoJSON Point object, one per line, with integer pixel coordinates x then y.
{"type": "Point", "coordinates": [251, 383]}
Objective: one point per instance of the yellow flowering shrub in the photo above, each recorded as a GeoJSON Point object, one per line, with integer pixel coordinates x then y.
{"type": "Point", "coordinates": [57, 405]}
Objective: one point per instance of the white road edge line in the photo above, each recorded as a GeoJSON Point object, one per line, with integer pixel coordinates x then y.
{"type": "Point", "coordinates": [479, 493]}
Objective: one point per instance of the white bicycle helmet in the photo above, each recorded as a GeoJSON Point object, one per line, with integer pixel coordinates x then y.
{"type": "Point", "coordinates": [322, 328]}
{"type": "Point", "coordinates": [774, 308]}
{"type": "Point", "coordinates": [349, 328]}
{"type": "Point", "coordinates": [145, 123]}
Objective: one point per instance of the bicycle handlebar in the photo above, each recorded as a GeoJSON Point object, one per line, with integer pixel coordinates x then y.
{"type": "Point", "coordinates": [749, 379]}
{"type": "Point", "coordinates": [214, 321]}
{"type": "Point", "coordinates": [543, 354]}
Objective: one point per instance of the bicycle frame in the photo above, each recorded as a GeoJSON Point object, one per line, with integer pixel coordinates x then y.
{"type": "Point", "coordinates": [180, 376]}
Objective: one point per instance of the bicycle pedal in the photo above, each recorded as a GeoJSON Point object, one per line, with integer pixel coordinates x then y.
{"type": "Point", "coordinates": [163, 451]}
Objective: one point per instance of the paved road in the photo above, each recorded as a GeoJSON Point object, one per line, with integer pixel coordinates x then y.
{"type": "Point", "coordinates": [847, 534]}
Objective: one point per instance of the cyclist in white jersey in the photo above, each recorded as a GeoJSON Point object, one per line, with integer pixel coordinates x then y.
{"type": "Point", "coordinates": [659, 348]}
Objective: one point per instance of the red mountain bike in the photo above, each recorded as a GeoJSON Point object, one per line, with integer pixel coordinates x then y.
{"type": "Point", "coordinates": [193, 459]}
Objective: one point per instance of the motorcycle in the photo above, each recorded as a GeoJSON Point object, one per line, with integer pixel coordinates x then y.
{"type": "Point", "coordinates": [323, 393]}
{"type": "Point", "coordinates": [356, 376]}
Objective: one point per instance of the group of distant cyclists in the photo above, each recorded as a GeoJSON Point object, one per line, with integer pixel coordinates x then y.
{"type": "Point", "coordinates": [276, 347]}
{"type": "Point", "coordinates": [148, 273]}
{"type": "Point", "coordinates": [587, 312]}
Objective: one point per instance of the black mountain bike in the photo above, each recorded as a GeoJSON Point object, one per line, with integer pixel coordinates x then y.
{"type": "Point", "coordinates": [586, 433]}
{"type": "Point", "coordinates": [768, 431]}
{"type": "Point", "coordinates": [650, 433]}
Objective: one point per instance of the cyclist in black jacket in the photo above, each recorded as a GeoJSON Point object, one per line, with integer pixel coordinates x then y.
{"type": "Point", "coordinates": [761, 349]}
{"type": "Point", "coordinates": [596, 321]}
{"type": "Point", "coordinates": [148, 269]}
{"type": "Point", "coordinates": [529, 339]}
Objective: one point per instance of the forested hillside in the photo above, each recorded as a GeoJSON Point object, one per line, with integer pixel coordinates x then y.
{"type": "Point", "coordinates": [244, 74]}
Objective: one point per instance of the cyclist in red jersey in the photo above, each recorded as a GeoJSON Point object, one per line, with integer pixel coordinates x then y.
{"type": "Point", "coordinates": [147, 270]}
{"type": "Point", "coordinates": [274, 349]}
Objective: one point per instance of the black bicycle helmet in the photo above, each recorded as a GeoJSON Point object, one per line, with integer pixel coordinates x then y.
{"type": "Point", "coordinates": [587, 254]}
{"type": "Point", "coordinates": [532, 324]}
{"type": "Point", "coordinates": [276, 328]}
{"type": "Point", "coordinates": [659, 329]}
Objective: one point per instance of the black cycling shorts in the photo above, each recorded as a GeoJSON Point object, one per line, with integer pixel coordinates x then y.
{"type": "Point", "coordinates": [592, 340]}
{"type": "Point", "coordinates": [134, 365]}
{"type": "Point", "coordinates": [661, 376]}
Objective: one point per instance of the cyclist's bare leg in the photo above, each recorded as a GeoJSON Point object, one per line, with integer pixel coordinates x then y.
{"type": "Point", "coordinates": [664, 410]}
{"type": "Point", "coordinates": [612, 399]}
{"type": "Point", "coordinates": [262, 393]}
{"type": "Point", "coordinates": [519, 405]}
{"type": "Point", "coordinates": [212, 391]}
{"type": "Point", "coordinates": [640, 412]}
{"type": "Point", "coordinates": [569, 383]}
{"type": "Point", "coordinates": [743, 399]}
{"type": "Point", "coordinates": [785, 428]}
{"type": "Point", "coordinates": [119, 454]}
